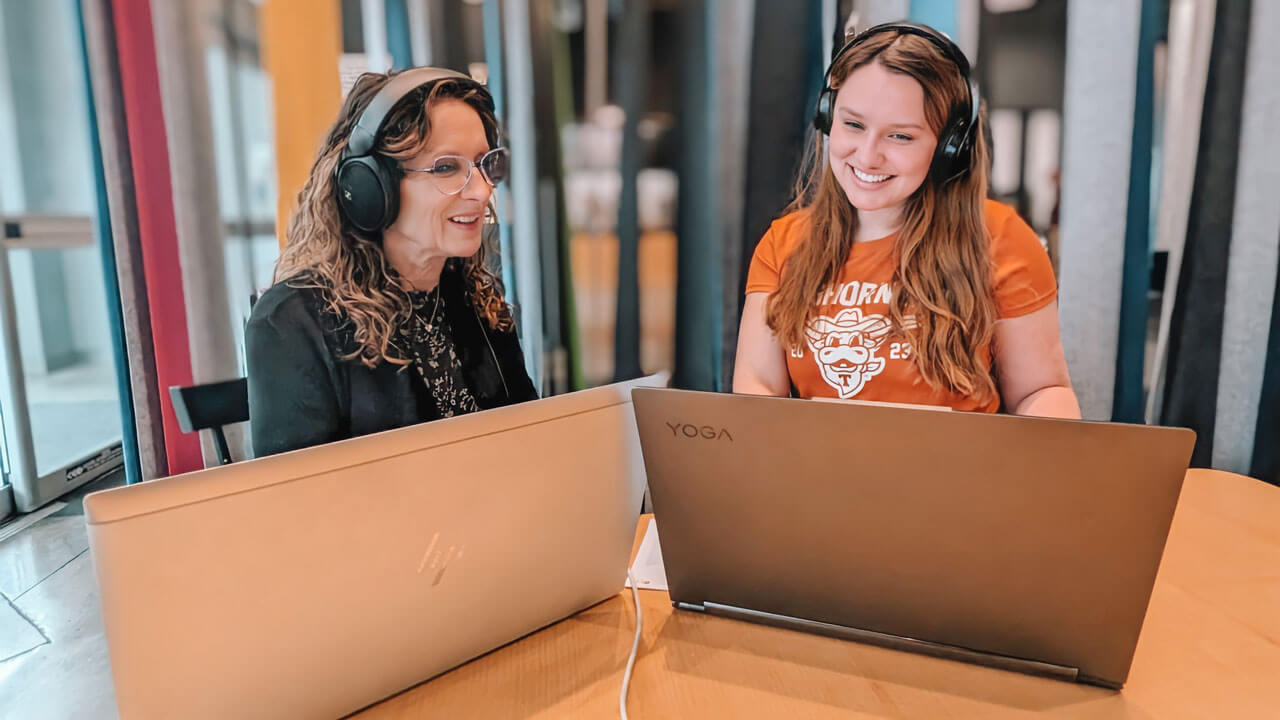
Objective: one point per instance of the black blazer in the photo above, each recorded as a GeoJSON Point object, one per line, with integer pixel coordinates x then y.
{"type": "Point", "coordinates": [302, 394]}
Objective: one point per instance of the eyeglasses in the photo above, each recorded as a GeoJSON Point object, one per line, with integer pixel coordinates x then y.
{"type": "Point", "coordinates": [451, 173]}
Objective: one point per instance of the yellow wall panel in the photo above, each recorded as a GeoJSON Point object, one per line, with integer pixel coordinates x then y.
{"type": "Point", "coordinates": [302, 40]}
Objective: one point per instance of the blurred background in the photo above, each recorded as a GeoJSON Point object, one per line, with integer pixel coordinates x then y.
{"type": "Point", "coordinates": [150, 153]}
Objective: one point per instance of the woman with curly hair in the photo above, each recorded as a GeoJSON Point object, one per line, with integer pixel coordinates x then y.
{"type": "Point", "coordinates": [384, 311]}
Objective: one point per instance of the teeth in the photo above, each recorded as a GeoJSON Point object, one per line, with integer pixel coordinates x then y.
{"type": "Point", "coordinates": [864, 177]}
{"type": "Point", "coordinates": [465, 218]}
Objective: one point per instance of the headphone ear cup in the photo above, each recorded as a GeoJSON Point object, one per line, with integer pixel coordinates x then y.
{"type": "Point", "coordinates": [389, 177]}
{"type": "Point", "coordinates": [822, 116]}
{"type": "Point", "coordinates": [369, 192]}
{"type": "Point", "coordinates": [951, 158]}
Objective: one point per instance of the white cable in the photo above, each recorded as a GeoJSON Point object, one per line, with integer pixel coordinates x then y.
{"type": "Point", "coordinates": [635, 647]}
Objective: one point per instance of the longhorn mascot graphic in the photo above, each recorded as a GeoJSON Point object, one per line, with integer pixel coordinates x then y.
{"type": "Point", "coordinates": [845, 347]}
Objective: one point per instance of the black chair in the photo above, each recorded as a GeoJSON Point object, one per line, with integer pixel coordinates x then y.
{"type": "Point", "coordinates": [210, 407]}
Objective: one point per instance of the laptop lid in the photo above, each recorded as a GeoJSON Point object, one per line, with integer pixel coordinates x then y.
{"type": "Point", "coordinates": [1021, 542]}
{"type": "Point", "coordinates": [314, 583]}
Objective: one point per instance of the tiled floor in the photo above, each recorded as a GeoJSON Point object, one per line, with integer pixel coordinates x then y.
{"type": "Point", "coordinates": [53, 655]}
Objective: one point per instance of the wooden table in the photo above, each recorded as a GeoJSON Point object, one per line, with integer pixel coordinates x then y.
{"type": "Point", "coordinates": [1210, 648]}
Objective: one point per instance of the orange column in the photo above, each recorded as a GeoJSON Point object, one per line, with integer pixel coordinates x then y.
{"type": "Point", "coordinates": [301, 40]}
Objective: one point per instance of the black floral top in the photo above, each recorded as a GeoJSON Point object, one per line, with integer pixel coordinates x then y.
{"type": "Point", "coordinates": [429, 341]}
{"type": "Point", "coordinates": [306, 386]}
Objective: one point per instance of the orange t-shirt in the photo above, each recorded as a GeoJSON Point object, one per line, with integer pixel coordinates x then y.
{"type": "Point", "coordinates": [850, 350]}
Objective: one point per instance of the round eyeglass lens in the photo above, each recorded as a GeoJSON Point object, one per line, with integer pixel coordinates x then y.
{"type": "Point", "coordinates": [496, 165]}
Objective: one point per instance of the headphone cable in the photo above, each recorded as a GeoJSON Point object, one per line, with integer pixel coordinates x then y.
{"type": "Point", "coordinates": [635, 647]}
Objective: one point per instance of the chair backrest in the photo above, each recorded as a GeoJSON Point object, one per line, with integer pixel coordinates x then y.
{"type": "Point", "coordinates": [210, 407]}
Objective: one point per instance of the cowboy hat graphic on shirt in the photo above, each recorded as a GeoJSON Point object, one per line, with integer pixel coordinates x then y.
{"type": "Point", "coordinates": [845, 348]}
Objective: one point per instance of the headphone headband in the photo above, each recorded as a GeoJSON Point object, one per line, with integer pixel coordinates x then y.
{"type": "Point", "coordinates": [365, 133]}
{"type": "Point", "coordinates": [939, 40]}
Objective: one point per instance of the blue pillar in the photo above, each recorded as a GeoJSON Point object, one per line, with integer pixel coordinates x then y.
{"type": "Point", "coordinates": [106, 247]}
{"type": "Point", "coordinates": [493, 56]}
{"type": "Point", "coordinates": [632, 87]}
{"type": "Point", "coordinates": [1127, 400]}
{"type": "Point", "coordinates": [937, 14]}
{"type": "Point", "coordinates": [399, 43]}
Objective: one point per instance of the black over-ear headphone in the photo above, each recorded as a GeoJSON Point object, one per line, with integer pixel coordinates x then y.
{"type": "Point", "coordinates": [951, 159]}
{"type": "Point", "coordinates": [369, 182]}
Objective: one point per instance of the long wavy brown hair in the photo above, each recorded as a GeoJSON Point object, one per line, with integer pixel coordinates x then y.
{"type": "Point", "coordinates": [347, 266]}
{"type": "Point", "coordinates": [944, 272]}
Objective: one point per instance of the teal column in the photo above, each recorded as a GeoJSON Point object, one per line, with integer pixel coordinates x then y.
{"type": "Point", "coordinates": [937, 14]}
{"type": "Point", "coordinates": [111, 282]}
{"type": "Point", "coordinates": [491, 12]}
{"type": "Point", "coordinates": [632, 83]}
{"type": "Point", "coordinates": [399, 43]}
{"type": "Point", "coordinates": [696, 212]}
{"type": "Point", "coordinates": [1127, 405]}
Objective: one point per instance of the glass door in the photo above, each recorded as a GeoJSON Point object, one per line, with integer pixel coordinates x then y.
{"type": "Point", "coordinates": [59, 402]}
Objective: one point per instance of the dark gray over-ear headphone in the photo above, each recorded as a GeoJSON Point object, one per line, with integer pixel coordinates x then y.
{"type": "Point", "coordinates": [951, 158]}
{"type": "Point", "coordinates": [368, 182]}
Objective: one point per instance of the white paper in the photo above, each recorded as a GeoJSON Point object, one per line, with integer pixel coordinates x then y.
{"type": "Point", "coordinates": [648, 570]}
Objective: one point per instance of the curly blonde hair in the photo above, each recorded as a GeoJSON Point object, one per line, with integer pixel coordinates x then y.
{"type": "Point", "coordinates": [348, 267]}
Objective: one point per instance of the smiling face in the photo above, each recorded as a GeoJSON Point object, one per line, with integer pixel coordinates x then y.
{"type": "Point", "coordinates": [437, 224]}
{"type": "Point", "coordinates": [881, 144]}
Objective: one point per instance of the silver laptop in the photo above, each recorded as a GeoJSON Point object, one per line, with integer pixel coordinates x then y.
{"type": "Point", "coordinates": [314, 583]}
{"type": "Point", "coordinates": [1023, 543]}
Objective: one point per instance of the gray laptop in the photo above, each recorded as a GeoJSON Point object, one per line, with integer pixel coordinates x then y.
{"type": "Point", "coordinates": [1024, 543]}
{"type": "Point", "coordinates": [313, 583]}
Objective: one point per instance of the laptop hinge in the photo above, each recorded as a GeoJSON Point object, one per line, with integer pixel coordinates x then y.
{"type": "Point", "coordinates": [695, 607]}
{"type": "Point", "coordinates": [924, 647]}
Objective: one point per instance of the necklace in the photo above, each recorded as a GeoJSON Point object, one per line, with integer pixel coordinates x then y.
{"type": "Point", "coordinates": [431, 319]}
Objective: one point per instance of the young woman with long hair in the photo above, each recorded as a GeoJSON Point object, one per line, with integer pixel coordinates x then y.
{"type": "Point", "coordinates": [385, 311]}
{"type": "Point", "coordinates": [892, 277]}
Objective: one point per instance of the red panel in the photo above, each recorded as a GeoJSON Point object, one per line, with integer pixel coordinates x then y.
{"type": "Point", "coordinates": [149, 153]}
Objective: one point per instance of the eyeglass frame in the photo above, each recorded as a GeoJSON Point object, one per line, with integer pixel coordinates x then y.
{"type": "Point", "coordinates": [472, 166]}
